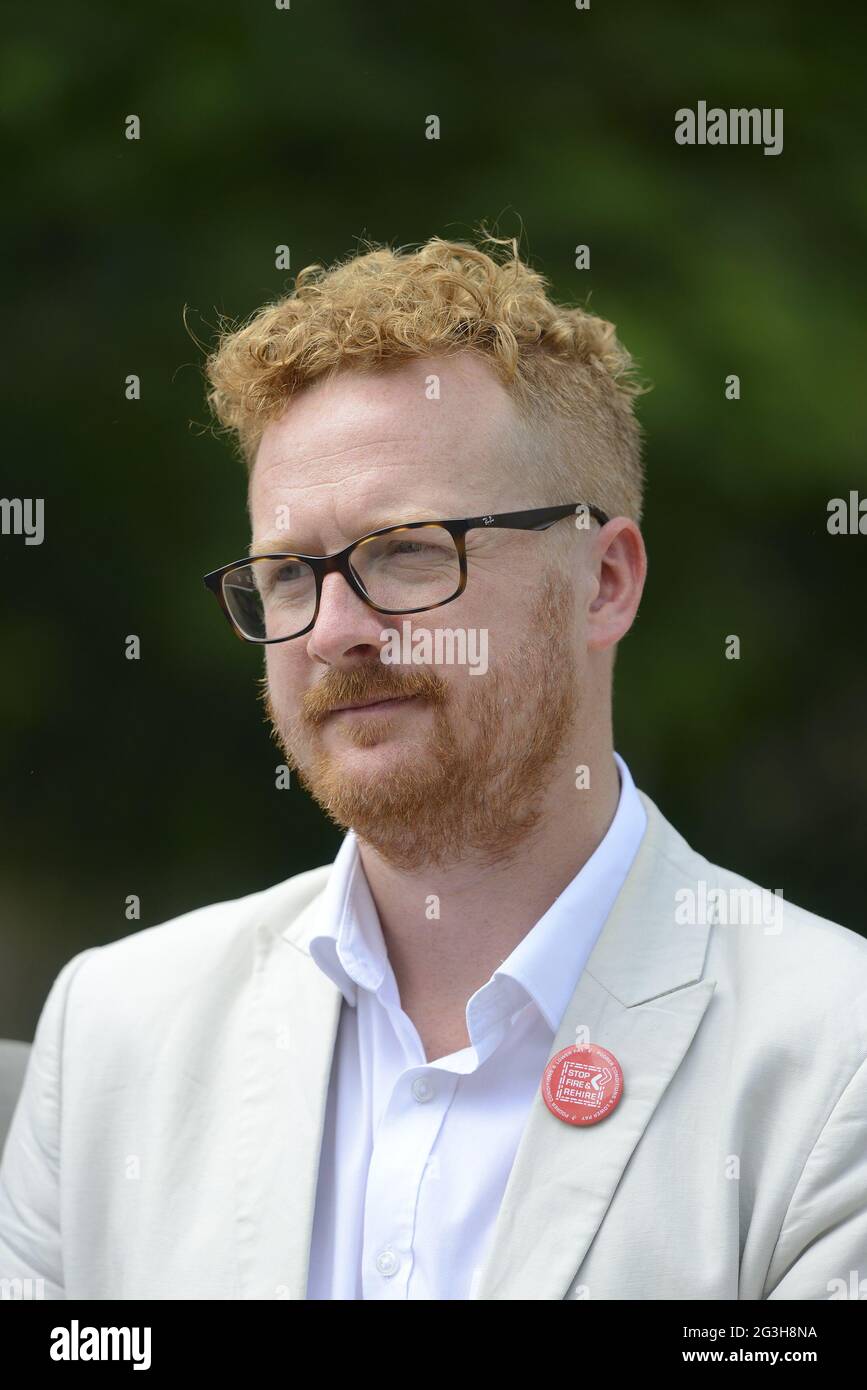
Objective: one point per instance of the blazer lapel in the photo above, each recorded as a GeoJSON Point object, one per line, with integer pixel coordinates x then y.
{"type": "Point", "coordinates": [290, 1028]}
{"type": "Point", "coordinates": [641, 996]}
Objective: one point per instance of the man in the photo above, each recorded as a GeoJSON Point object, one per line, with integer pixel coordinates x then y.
{"type": "Point", "coordinates": [519, 1041]}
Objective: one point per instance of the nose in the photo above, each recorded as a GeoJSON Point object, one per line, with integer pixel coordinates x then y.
{"type": "Point", "coordinates": [346, 630]}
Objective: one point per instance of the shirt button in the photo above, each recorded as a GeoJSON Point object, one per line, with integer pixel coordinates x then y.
{"type": "Point", "coordinates": [387, 1263]}
{"type": "Point", "coordinates": [422, 1089]}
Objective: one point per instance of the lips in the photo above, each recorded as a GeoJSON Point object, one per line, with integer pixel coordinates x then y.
{"type": "Point", "coordinates": [374, 705]}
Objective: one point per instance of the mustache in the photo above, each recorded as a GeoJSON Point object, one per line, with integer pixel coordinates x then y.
{"type": "Point", "coordinates": [362, 683]}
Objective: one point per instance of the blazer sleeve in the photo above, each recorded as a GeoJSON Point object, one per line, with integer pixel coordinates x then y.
{"type": "Point", "coordinates": [30, 1235]}
{"type": "Point", "coordinates": [821, 1252]}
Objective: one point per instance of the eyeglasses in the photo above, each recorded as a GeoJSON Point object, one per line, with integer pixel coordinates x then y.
{"type": "Point", "coordinates": [408, 568]}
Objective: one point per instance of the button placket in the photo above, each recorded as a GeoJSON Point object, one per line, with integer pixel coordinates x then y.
{"type": "Point", "coordinates": [399, 1164]}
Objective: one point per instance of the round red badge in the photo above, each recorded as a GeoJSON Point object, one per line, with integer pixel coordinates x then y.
{"type": "Point", "coordinates": [582, 1084]}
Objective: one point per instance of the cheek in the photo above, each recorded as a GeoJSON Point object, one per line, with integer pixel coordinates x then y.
{"type": "Point", "coordinates": [283, 672]}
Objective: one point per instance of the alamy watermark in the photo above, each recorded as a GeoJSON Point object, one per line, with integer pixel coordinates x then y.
{"type": "Point", "coordinates": [23, 516]}
{"type": "Point", "coordinates": [21, 1290]}
{"type": "Point", "coordinates": [77, 1343]}
{"type": "Point", "coordinates": [847, 516]}
{"type": "Point", "coordinates": [442, 646]}
{"type": "Point", "coordinates": [729, 907]}
{"type": "Point", "coordinates": [738, 126]}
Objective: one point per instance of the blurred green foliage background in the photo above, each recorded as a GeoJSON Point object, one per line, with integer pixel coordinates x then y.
{"type": "Point", "coordinates": [306, 127]}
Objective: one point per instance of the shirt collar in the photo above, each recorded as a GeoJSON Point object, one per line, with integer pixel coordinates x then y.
{"type": "Point", "coordinates": [350, 947]}
{"type": "Point", "coordinates": [546, 964]}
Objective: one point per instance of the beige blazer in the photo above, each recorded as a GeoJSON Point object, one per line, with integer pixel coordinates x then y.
{"type": "Point", "coordinates": [166, 1141]}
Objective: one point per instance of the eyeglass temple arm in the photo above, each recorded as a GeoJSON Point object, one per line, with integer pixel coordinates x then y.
{"type": "Point", "coordinates": [537, 519]}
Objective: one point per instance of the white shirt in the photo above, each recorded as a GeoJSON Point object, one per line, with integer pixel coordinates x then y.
{"type": "Point", "coordinates": [416, 1154]}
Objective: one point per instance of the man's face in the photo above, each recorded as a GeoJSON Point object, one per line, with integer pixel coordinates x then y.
{"type": "Point", "coordinates": [460, 760]}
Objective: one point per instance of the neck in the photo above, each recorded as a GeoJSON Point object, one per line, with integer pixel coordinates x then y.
{"type": "Point", "coordinates": [448, 928]}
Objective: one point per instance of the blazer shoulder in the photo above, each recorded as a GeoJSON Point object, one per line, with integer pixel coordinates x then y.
{"type": "Point", "coordinates": [736, 901]}
{"type": "Point", "coordinates": [792, 974]}
{"type": "Point", "coordinates": [215, 942]}
{"type": "Point", "coordinates": [829, 948]}
{"type": "Point", "coordinates": [757, 935]}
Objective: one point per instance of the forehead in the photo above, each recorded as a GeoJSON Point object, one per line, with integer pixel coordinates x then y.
{"type": "Point", "coordinates": [424, 437]}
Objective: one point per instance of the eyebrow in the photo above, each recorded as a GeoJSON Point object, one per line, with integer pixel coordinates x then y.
{"type": "Point", "coordinates": [279, 545]}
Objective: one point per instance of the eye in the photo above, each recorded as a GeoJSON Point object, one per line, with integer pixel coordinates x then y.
{"type": "Point", "coordinates": [272, 576]}
{"type": "Point", "coordinates": [288, 571]}
{"type": "Point", "coordinates": [412, 549]}
{"type": "Point", "coordinates": [409, 547]}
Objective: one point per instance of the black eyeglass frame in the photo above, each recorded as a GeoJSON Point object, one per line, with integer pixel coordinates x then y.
{"type": "Point", "coordinates": [536, 519]}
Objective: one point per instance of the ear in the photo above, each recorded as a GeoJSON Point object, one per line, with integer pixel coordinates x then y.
{"type": "Point", "coordinates": [619, 569]}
